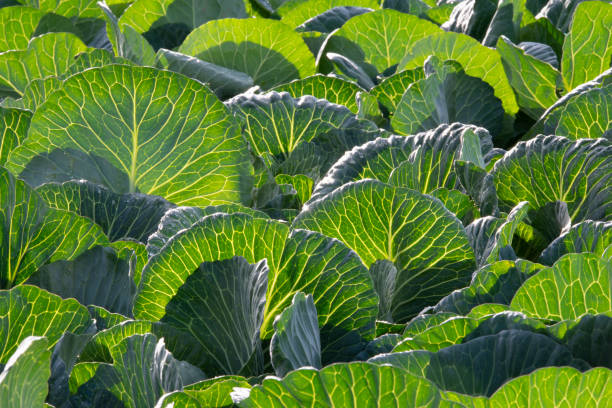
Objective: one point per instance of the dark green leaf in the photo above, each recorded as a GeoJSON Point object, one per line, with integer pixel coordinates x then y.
{"type": "Point", "coordinates": [129, 215]}
{"type": "Point", "coordinates": [586, 236]}
{"type": "Point", "coordinates": [96, 277]}
{"type": "Point", "coordinates": [296, 12]}
{"type": "Point", "coordinates": [447, 95]}
{"type": "Point", "coordinates": [428, 158]}
{"type": "Point", "coordinates": [332, 19]}
{"type": "Point", "coordinates": [223, 81]}
{"type": "Point", "coordinates": [482, 365]}
{"type": "Point", "coordinates": [141, 372]}
{"type": "Point", "coordinates": [32, 234]}
{"type": "Point", "coordinates": [281, 129]}
{"type": "Point", "coordinates": [296, 341]}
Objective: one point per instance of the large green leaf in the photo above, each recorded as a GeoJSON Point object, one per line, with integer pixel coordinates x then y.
{"type": "Point", "coordinates": [46, 55]}
{"type": "Point", "coordinates": [345, 385]}
{"type": "Point", "coordinates": [98, 276]}
{"type": "Point", "coordinates": [269, 51]}
{"type": "Point", "coordinates": [30, 311]}
{"type": "Point", "coordinates": [425, 321]}
{"type": "Point", "coordinates": [221, 308]}
{"type": "Point", "coordinates": [298, 261]}
{"type": "Point", "coordinates": [430, 154]}
{"type": "Point", "coordinates": [23, 382]}
{"type": "Point", "coordinates": [157, 19]}
{"type": "Point", "coordinates": [295, 12]}
{"type": "Point", "coordinates": [447, 95]}
{"type": "Point", "coordinates": [14, 125]}
{"type": "Point", "coordinates": [482, 365]}
{"type": "Point", "coordinates": [335, 90]}
{"type": "Point", "coordinates": [451, 331]}
{"type": "Point", "coordinates": [551, 168]}
{"type": "Point", "coordinates": [590, 30]}
{"type": "Point", "coordinates": [494, 283]}
{"type": "Point", "coordinates": [130, 215]}
{"type": "Point", "coordinates": [586, 236]}
{"type": "Point", "coordinates": [32, 234]}
{"type": "Point", "coordinates": [534, 81]}
{"type": "Point", "coordinates": [17, 25]}
{"type": "Point", "coordinates": [383, 37]}
{"type": "Point", "coordinates": [576, 284]}
{"type": "Point", "coordinates": [281, 130]}
{"type": "Point", "coordinates": [296, 341]}
{"type": "Point", "coordinates": [141, 372]}
{"type": "Point", "coordinates": [169, 134]}
{"type": "Point", "coordinates": [426, 243]}
{"type": "Point", "coordinates": [476, 59]}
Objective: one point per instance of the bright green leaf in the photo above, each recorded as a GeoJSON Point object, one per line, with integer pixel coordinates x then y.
{"type": "Point", "coordinates": [268, 51]}
{"type": "Point", "coordinates": [169, 134]}
{"type": "Point", "coordinates": [552, 168]}
{"type": "Point", "coordinates": [576, 284]}
{"type": "Point", "coordinates": [333, 89]}
{"type": "Point", "coordinates": [431, 253]}
{"type": "Point", "coordinates": [590, 31]}
{"type": "Point", "coordinates": [476, 59]}
{"type": "Point", "coordinates": [46, 55]}
{"type": "Point", "coordinates": [22, 309]}
{"type": "Point", "coordinates": [23, 382]}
